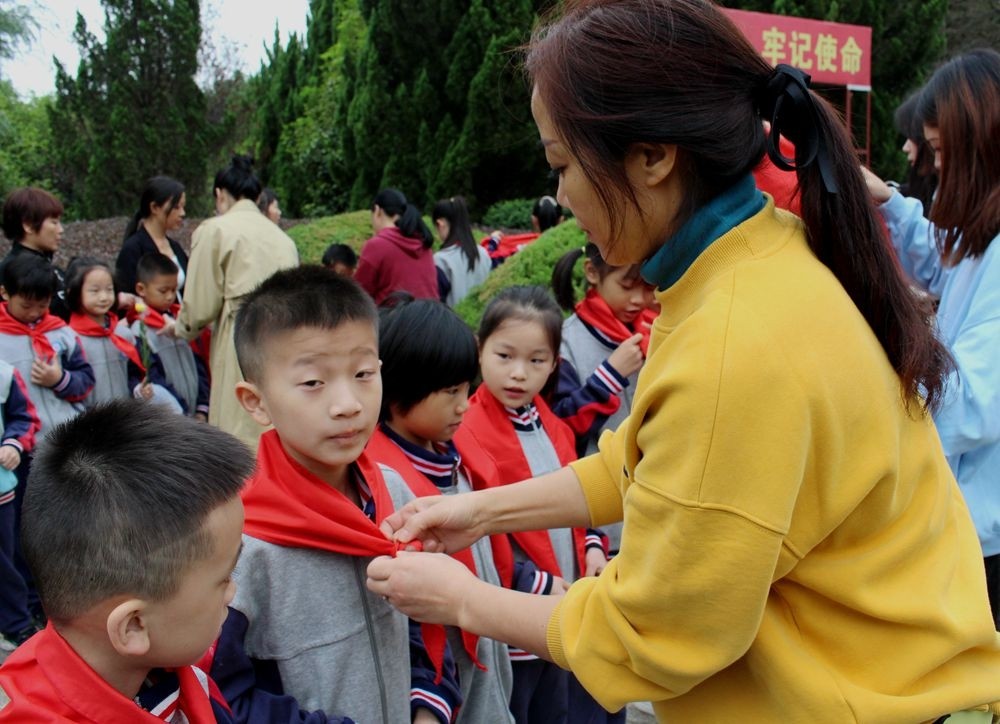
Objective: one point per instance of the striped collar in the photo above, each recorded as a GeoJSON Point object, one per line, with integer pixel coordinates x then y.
{"type": "Point", "coordinates": [364, 493]}
{"type": "Point", "coordinates": [524, 419]}
{"type": "Point", "coordinates": [727, 210]}
{"type": "Point", "coordinates": [440, 467]}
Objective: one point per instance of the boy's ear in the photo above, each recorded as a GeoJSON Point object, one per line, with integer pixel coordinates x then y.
{"type": "Point", "coordinates": [252, 401]}
{"type": "Point", "coordinates": [140, 289]}
{"type": "Point", "coordinates": [128, 629]}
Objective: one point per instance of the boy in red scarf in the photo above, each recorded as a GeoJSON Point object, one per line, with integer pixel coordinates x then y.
{"type": "Point", "coordinates": [306, 340]}
{"type": "Point", "coordinates": [133, 568]}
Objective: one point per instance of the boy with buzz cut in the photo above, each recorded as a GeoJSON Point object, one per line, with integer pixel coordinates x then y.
{"type": "Point", "coordinates": [132, 545]}
{"type": "Point", "coordinates": [173, 367]}
{"type": "Point", "coordinates": [306, 340]}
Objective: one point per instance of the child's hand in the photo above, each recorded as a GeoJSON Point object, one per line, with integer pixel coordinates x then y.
{"type": "Point", "coordinates": [559, 586]}
{"type": "Point", "coordinates": [201, 417]}
{"type": "Point", "coordinates": [10, 458]}
{"type": "Point", "coordinates": [425, 716]}
{"type": "Point", "coordinates": [595, 560]}
{"type": "Point", "coordinates": [46, 373]}
{"type": "Point", "coordinates": [167, 330]}
{"type": "Point", "coordinates": [126, 300]}
{"type": "Point", "coordinates": [146, 391]}
{"type": "Point", "coordinates": [627, 358]}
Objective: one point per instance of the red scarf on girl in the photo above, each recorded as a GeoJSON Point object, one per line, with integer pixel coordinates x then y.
{"type": "Point", "coordinates": [287, 505]}
{"type": "Point", "coordinates": [380, 447]}
{"type": "Point", "coordinates": [86, 326]}
{"type": "Point", "coordinates": [593, 310]}
{"type": "Point", "coordinates": [488, 426]}
{"type": "Point", "coordinates": [40, 344]}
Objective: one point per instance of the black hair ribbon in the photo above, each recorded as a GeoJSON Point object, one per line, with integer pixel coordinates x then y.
{"type": "Point", "coordinates": [785, 100]}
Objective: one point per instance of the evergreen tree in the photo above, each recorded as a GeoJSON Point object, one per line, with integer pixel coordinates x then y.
{"type": "Point", "coordinates": [133, 109]}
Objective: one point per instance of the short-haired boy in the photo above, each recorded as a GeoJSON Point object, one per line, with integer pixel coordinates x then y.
{"type": "Point", "coordinates": [32, 220]}
{"type": "Point", "coordinates": [43, 348]}
{"type": "Point", "coordinates": [173, 365]}
{"type": "Point", "coordinates": [340, 258]}
{"type": "Point", "coordinates": [18, 427]}
{"type": "Point", "coordinates": [132, 544]}
{"type": "Point", "coordinates": [307, 344]}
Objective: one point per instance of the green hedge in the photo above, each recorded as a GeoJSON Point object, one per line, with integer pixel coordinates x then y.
{"type": "Point", "coordinates": [312, 238]}
{"type": "Point", "coordinates": [533, 265]}
{"type": "Point", "coordinates": [511, 214]}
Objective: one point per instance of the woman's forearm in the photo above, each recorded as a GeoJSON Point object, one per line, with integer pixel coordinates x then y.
{"type": "Point", "coordinates": [518, 619]}
{"type": "Point", "coordinates": [554, 500]}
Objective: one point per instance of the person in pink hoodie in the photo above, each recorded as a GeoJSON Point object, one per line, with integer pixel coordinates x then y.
{"type": "Point", "coordinates": [398, 258]}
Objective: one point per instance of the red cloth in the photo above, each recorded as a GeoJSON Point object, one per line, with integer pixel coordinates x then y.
{"type": "Point", "coordinates": [391, 262]}
{"type": "Point", "coordinates": [47, 681]}
{"type": "Point", "coordinates": [593, 310]}
{"type": "Point", "coordinates": [287, 505]}
{"type": "Point", "coordinates": [509, 244]}
{"type": "Point", "coordinates": [39, 342]}
{"type": "Point", "coordinates": [488, 426]}
{"type": "Point", "coordinates": [153, 318]}
{"type": "Point", "coordinates": [82, 324]}
{"type": "Point", "coordinates": [782, 185]}
{"type": "Point", "coordinates": [383, 449]}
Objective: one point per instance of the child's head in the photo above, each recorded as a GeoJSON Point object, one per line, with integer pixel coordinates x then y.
{"type": "Point", "coordinates": [29, 282]}
{"type": "Point", "coordinates": [307, 343]}
{"type": "Point", "coordinates": [519, 339]}
{"type": "Point", "coordinates": [33, 216]}
{"type": "Point", "coordinates": [429, 359]}
{"type": "Point", "coordinates": [621, 287]}
{"type": "Point", "coordinates": [451, 217]}
{"type": "Point", "coordinates": [341, 259]}
{"type": "Point", "coordinates": [156, 280]}
{"type": "Point", "coordinates": [131, 526]}
{"type": "Point", "coordinates": [268, 204]}
{"type": "Point", "coordinates": [90, 287]}
{"type": "Point", "coordinates": [545, 214]}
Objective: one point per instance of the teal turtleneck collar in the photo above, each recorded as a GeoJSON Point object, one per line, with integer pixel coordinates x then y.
{"type": "Point", "coordinates": [729, 209]}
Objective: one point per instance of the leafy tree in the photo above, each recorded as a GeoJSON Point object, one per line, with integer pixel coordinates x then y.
{"type": "Point", "coordinates": [16, 27]}
{"type": "Point", "coordinates": [25, 141]}
{"type": "Point", "coordinates": [133, 109]}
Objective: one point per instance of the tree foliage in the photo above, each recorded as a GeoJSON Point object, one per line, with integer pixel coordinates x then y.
{"type": "Point", "coordinates": [133, 109]}
{"type": "Point", "coordinates": [17, 26]}
{"type": "Point", "coordinates": [25, 141]}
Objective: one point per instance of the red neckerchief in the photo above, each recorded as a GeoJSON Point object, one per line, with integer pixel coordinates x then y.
{"type": "Point", "coordinates": [287, 505]}
{"type": "Point", "coordinates": [47, 680]}
{"type": "Point", "coordinates": [593, 310]}
{"type": "Point", "coordinates": [488, 425]}
{"type": "Point", "coordinates": [40, 344]}
{"type": "Point", "coordinates": [153, 318]}
{"type": "Point", "coordinates": [509, 244]}
{"type": "Point", "coordinates": [82, 324]}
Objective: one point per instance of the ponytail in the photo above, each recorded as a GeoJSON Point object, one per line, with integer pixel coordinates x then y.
{"type": "Point", "coordinates": [133, 223]}
{"type": "Point", "coordinates": [159, 190]}
{"type": "Point", "coordinates": [843, 231]}
{"type": "Point", "coordinates": [562, 279]}
{"type": "Point", "coordinates": [456, 213]}
{"type": "Point", "coordinates": [393, 202]}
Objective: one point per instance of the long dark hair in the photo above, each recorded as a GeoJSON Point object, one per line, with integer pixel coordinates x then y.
{"type": "Point", "coordinates": [613, 74]}
{"type": "Point", "coordinates": [456, 213]}
{"type": "Point", "coordinates": [563, 285]}
{"type": "Point", "coordinates": [921, 179]}
{"type": "Point", "coordinates": [158, 190]}
{"type": "Point", "coordinates": [410, 222]}
{"type": "Point", "coordinates": [962, 101]}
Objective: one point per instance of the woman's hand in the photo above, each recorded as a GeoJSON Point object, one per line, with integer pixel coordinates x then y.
{"type": "Point", "coordinates": [429, 587]}
{"type": "Point", "coordinates": [879, 189]}
{"type": "Point", "coordinates": [442, 524]}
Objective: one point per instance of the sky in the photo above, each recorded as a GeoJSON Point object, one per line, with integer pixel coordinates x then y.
{"type": "Point", "coordinates": [244, 26]}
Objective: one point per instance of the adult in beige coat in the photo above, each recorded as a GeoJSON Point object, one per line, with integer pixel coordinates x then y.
{"type": "Point", "coordinates": [230, 255]}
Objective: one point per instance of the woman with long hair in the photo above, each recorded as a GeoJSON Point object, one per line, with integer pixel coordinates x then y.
{"type": "Point", "coordinates": [795, 547]}
{"type": "Point", "coordinates": [161, 211]}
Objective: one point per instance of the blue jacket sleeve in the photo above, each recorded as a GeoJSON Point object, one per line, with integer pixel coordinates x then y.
{"type": "Point", "coordinates": [442, 698]}
{"type": "Point", "coordinates": [586, 406]}
{"type": "Point", "coordinates": [78, 376]}
{"type": "Point", "coordinates": [204, 386]}
{"type": "Point", "coordinates": [21, 423]}
{"type": "Point", "coordinates": [253, 688]}
{"type": "Point", "coordinates": [528, 578]}
{"type": "Point", "coordinates": [913, 237]}
{"type": "Point", "coordinates": [444, 284]}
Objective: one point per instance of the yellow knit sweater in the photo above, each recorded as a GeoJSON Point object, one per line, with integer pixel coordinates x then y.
{"type": "Point", "coordinates": [795, 547]}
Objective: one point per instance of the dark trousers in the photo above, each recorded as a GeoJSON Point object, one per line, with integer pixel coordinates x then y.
{"type": "Point", "coordinates": [584, 710]}
{"type": "Point", "coordinates": [539, 693]}
{"type": "Point", "coordinates": [14, 613]}
{"type": "Point", "coordinates": [992, 564]}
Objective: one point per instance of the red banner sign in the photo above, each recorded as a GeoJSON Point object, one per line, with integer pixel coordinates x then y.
{"type": "Point", "coordinates": [832, 53]}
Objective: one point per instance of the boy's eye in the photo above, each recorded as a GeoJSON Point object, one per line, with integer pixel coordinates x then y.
{"type": "Point", "coordinates": [365, 374]}
{"type": "Point", "coordinates": [312, 383]}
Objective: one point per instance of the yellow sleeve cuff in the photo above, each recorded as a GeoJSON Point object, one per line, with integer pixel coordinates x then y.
{"type": "Point", "coordinates": [553, 638]}
{"type": "Point", "coordinates": [600, 489]}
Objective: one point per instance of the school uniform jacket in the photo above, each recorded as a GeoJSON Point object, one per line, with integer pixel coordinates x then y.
{"type": "Point", "coordinates": [175, 367]}
{"type": "Point", "coordinates": [114, 376]}
{"type": "Point", "coordinates": [18, 423]}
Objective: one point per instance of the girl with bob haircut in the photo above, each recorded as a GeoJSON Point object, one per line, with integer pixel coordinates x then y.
{"type": "Point", "coordinates": [956, 256]}
{"type": "Point", "coordinates": [161, 210]}
{"type": "Point", "coordinates": [461, 263]}
{"type": "Point", "coordinates": [795, 547]}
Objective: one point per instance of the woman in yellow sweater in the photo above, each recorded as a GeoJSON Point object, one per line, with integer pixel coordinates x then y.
{"type": "Point", "coordinates": [795, 548]}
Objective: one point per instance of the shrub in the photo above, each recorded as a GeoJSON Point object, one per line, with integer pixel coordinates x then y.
{"type": "Point", "coordinates": [533, 265]}
{"type": "Point", "coordinates": [511, 214]}
{"type": "Point", "coordinates": [312, 238]}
